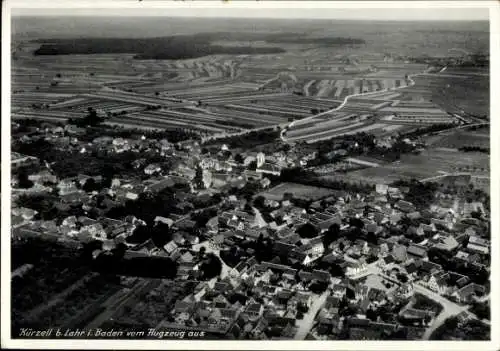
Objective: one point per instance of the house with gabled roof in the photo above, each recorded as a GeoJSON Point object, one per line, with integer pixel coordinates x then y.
{"type": "Point", "coordinates": [478, 245]}
{"type": "Point", "coordinates": [445, 242]}
{"type": "Point", "coordinates": [438, 282]}
{"type": "Point", "coordinates": [469, 292]}
{"type": "Point", "coordinates": [170, 247]}
{"type": "Point", "coordinates": [428, 267]}
{"type": "Point", "coordinates": [462, 255]}
{"type": "Point", "coordinates": [321, 275]}
{"type": "Point", "coordinates": [417, 251]}
{"type": "Point", "coordinates": [313, 247]}
{"type": "Point", "coordinates": [399, 252]}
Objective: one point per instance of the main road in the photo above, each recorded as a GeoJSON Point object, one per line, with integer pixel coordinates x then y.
{"type": "Point", "coordinates": [305, 324]}
{"type": "Point", "coordinates": [450, 309]}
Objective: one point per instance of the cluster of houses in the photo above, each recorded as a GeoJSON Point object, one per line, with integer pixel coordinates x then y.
{"type": "Point", "coordinates": [381, 235]}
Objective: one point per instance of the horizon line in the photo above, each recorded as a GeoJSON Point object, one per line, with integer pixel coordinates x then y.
{"type": "Point", "coordinates": [248, 18]}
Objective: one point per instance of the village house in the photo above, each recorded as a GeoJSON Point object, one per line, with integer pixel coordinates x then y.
{"type": "Point", "coordinates": [405, 206]}
{"type": "Point", "coordinates": [444, 242]}
{"type": "Point", "coordinates": [404, 291]}
{"type": "Point", "coordinates": [66, 186]}
{"type": "Point", "coordinates": [43, 177]}
{"type": "Point", "coordinates": [354, 268]}
{"type": "Point", "coordinates": [399, 252]}
{"type": "Point", "coordinates": [152, 169]}
{"type": "Point", "coordinates": [314, 247]}
{"type": "Point", "coordinates": [269, 168]}
{"type": "Point", "coordinates": [27, 214]}
{"type": "Point", "coordinates": [120, 145]}
{"type": "Point", "coordinates": [416, 251]}
{"type": "Point", "coordinates": [478, 245]}
{"type": "Point", "coordinates": [469, 292]}
{"type": "Point", "coordinates": [438, 282]}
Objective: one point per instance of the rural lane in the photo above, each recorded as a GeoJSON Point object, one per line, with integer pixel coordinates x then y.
{"type": "Point", "coordinates": [346, 99]}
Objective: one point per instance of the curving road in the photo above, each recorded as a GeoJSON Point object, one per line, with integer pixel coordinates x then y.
{"type": "Point", "coordinates": [449, 309]}
{"type": "Point", "coordinates": [346, 99]}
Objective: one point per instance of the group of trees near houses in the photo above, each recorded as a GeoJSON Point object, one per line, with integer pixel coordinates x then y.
{"type": "Point", "coordinates": [427, 130]}
{"type": "Point", "coordinates": [248, 140]}
{"type": "Point", "coordinates": [91, 119]}
{"type": "Point", "coordinates": [354, 232]}
{"type": "Point", "coordinates": [361, 144]}
{"type": "Point", "coordinates": [420, 194]}
{"type": "Point", "coordinates": [151, 266]}
{"type": "Point", "coordinates": [172, 135]}
{"type": "Point", "coordinates": [148, 206]}
{"type": "Point", "coordinates": [477, 274]}
{"type": "Point", "coordinates": [47, 208]}
{"type": "Point", "coordinates": [301, 176]}
{"type": "Point", "coordinates": [453, 329]}
{"type": "Point", "coordinates": [159, 233]}
{"type": "Point", "coordinates": [70, 163]}
{"type": "Point", "coordinates": [22, 177]}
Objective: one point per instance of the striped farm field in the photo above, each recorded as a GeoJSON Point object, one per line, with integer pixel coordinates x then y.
{"type": "Point", "coordinates": [430, 163]}
{"type": "Point", "coordinates": [463, 138]}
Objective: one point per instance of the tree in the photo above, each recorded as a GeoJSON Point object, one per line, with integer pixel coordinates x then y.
{"type": "Point", "coordinates": [403, 278]}
{"type": "Point", "coordinates": [211, 267]}
{"type": "Point", "coordinates": [331, 235]}
{"type": "Point", "coordinates": [307, 231]}
{"type": "Point", "coordinates": [371, 238]}
{"type": "Point", "coordinates": [371, 315]}
{"type": "Point", "coordinates": [198, 178]}
{"type": "Point", "coordinates": [252, 165]}
{"type": "Point", "coordinates": [22, 178]}
{"type": "Point", "coordinates": [451, 323]}
{"type": "Point", "coordinates": [336, 270]}
{"type": "Point", "coordinates": [160, 234]}
{"type": "Point", "coordinates": [140, 234]}
{"type": "Point", "coordinates": [481, 310]}
{"type": "Point", "coordinates": [356, 222]}
{"type": "Point", "coordinates": [238, 158]}
{"type": "Point", "coordinates": [259, 202]}
{"type": "Point", "coordinates": [476, 214]}
{"type": "Point", "coordinates": [318, 287]}
{"type": "Point", "coordinates": [90, 185]}
{"type": "Point", "coordinates": [349, 293]}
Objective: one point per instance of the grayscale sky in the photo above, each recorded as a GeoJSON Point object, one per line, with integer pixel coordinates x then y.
{"type": "Point", "coordinates": [220, 10]}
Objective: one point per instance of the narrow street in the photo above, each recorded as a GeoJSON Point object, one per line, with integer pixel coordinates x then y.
{"type": "Point", "coordinates": [306, 323]}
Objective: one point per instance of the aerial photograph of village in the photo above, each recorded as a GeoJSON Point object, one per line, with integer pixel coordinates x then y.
{"type": "Point", "coordinates": [254, 178]}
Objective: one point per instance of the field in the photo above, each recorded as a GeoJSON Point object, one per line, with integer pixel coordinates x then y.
{"type": "Point", "coordinates": [334, 80]}
{"type": "Point", "coordinates": [462, 138]}
{"type": "Point", "coordinates": [432, 163]}
{"type": "Point", "coordinates": [381, 112]}
{"type": "Point", "coordinates": [298, 191]}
